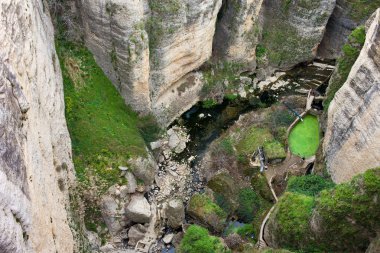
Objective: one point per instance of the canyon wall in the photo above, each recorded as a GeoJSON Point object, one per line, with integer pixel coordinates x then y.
{"type": "Point", "coordinates": [152, 50]}
{"type": "Point", "coordinates": [35, 147]}
{"type": "Point", "coordinates": [352, 140]}
{"type": "Point", "coordinates": [149, 49]}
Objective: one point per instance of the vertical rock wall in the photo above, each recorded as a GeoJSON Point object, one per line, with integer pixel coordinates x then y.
{"type": "Point", "coordinates": [237, 32]}
{"type": "Point", "coordinates": [352, 140]}
{"type": "Point", "coordinates": [35, 148]}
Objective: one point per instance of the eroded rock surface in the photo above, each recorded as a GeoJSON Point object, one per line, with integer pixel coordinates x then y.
{"type": "Point", "coordinates": [352, 139]}
{"type": "Point", "coordinates": [35, 147]}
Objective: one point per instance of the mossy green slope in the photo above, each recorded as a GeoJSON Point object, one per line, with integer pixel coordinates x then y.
{"type": "Point", "coordinates": [349, 212]}
{"type": "Point", "coordinates": [102, 128]}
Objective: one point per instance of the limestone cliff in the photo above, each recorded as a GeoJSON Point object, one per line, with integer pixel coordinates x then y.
{"type": "Point", "coordinates": [347, 15]}
{"type": "Point", "coordinates": [150, 48]}
{"type": "Point", "coordinates": [237, 32]}
{"type": "Point", "coordinates": [293, 30]}
{"type": "Point", "coordinates": [35, 148]}
{"type": "Point", "coordinates": [352, 137]}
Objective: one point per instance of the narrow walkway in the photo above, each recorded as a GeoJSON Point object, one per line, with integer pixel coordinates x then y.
{"type": "Point", "coordinates": [261, 242]}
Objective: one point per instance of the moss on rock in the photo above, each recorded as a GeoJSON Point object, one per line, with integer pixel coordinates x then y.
{"type": "Point", "coordinates": [204, 210]}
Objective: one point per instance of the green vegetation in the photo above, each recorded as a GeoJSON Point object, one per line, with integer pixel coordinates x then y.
{"type": "Point", "coordinates": [260, 51]}
{"type": "Point", "coordinates": [260, 185]}
{"type": "Point", "coordinates": [209, 103]}
{"type": "Point", "coordinates": [197, 239]}
{"type": "Point", "coordinates": [257, 137]}
{"type": "Point", "coordinates": [103, 129]}
{"type": "Point", "coordinates": [205, 210]}
{"type": "Point", "coordinates": [292, 215]}
{"type": "Point", "coordinates": [225, 189]}
{"type": "Point", "coordinates": [284, 45]}
{"type": "Point", "coordinates": [309, 185]}
{"type": "Point", "coordinates": [362, 9]}
{"type": "Point", "coordinates": [348, 211]}
{"type": "Point", "coordinates": [304, 137]}
{"type": "Point", "coordinates": [351, 51]}
{"type": "Point", "coordinates": [249, 204]}
{"type": "Point", "coordinates": [220, 79]}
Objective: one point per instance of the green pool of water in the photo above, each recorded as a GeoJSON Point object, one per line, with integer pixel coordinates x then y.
{"type": "Point", "coordinates": [304, 137]}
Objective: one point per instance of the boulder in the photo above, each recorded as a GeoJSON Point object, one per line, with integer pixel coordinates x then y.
{"type": "Point", "coordinates": [132, 184]}
{"type": "Point", "coordinates": [203, 210]}
{"type": "Point", "coordinates": [135, 234]}
{"type": "Point", "coordinates": [144, 168]}
{"type": "Point", "coordinates": [175, 213]}
{"type": "Point", "coordinates": [168, 238]}
{"type": "Point", "coordinates": [138, 210]}
{"type": "Point", "coordinates": [111, 214]}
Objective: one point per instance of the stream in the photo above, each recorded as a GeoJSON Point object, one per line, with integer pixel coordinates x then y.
{"type": "Point", "coordinates": [204, 125]}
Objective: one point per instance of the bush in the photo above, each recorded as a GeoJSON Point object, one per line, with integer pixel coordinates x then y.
{"type": "Point", "coordinates": [292, 217]}
{"type": "Point", "coordinates": [197, 239]}
{"type": "Point", "coordinates": [249, 204]}
{"type": "Point", "coordinates": [309, 185]}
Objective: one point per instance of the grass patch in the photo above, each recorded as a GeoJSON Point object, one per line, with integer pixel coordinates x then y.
{"type": "Point", "coordinates": [362, 9]}
{"type": "Point", "coordinates": [257, 137]}
{"type": "Point", "coordinates": [249, 204]}
{"type": "Point", "coordinates": [103, 129]}
{"type": "Point", "coordinates": [304, 137]}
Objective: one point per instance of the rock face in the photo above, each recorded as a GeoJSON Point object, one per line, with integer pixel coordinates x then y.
{"type": "Point", "coordinates": [293, 30]}
{"type": "Point", "coordinates": [338, 29]}
{"type": "Point", "coordinates": [114, 32]}
{"type": "Point", "coordinates": [175, 212]}
{"type": "Point", "coordinates": [138, 210]}
{"type": "Point", "coordinates": [352, 139]}
{"type": "Point", "coordinates": [35, 148]}
{"type": "Point", "coordinates": [237, 32]}
{"type": "Point", "coordinates": [346, 17]}
{"type": "Point", "coordinates": [149, 49]}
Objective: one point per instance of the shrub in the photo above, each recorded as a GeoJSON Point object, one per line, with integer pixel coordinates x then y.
{"type": "Point", "coordinates": [309, 185]}
{"type": "Point", "coordinates": [292, 215]}
{"type": "Point", "coordinates": [249, 204]}
{"type": "Point", "coordinates": [197, 239]}
{"type": "Point", "coordinates": [260, 51]}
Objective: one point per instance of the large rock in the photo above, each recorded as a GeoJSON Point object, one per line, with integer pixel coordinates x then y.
{"type": "Point", "coordinates": [175, 213]}
{"type": "Point", "coordinates": [352, 139]}
{"type": "Point", "coordinates": [112, 209]}
{"type": "Point", "coordinates": [237, 32]}
{"type": "Point", "coordinates": [346, 17]}
{"type": "Point", "coordinates": [293, 30]}
{"type": "Point", "coordinates": [149, 49]}
{"type": "Point", "coordinates": [138, 209]}
{"type": "Point", "coordinates": [206, 212]}
{"type": "Point", "coordinates": [135, 234]}
{"type": "Point", "coordinates": [144, 168]}
{"type": "Point", "coordinates": [34, 140]}
{"type": "Point", "coordinates": [114, 32]}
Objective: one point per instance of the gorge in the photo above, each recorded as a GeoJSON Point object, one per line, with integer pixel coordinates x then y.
{"type": "Point", "coordinates": [189, 126]}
